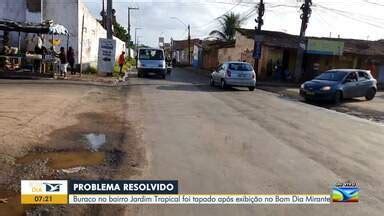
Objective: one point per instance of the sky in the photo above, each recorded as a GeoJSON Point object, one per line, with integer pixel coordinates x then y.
{"type": "Point", "coordinates": [357, 19]}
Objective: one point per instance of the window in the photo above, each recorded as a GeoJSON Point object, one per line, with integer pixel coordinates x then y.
{"type": "Point", "coordinates": [363, 76]}
{"type": "Point", "coordinates": [151, 54]}
{"type": "Point", "coordinates": [332, 75]}
{"type": "Point", "coordinates": [240, 67]}
{"type": "Point", "coordinates": [352, 77]}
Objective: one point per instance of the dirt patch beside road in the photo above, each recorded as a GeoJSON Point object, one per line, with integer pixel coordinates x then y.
{"type": "Point", "coordinates": [64, 132]}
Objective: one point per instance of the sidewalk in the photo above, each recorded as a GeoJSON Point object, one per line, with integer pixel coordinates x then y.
{"type": "Point", "coordinates": [85, 79]}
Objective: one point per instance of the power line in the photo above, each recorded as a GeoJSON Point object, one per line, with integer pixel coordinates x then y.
{"type": "Point", "coordinates": [215, 19]}
{"type": "Point", "coordinates": [340, 13]}
{"type": "Point", "coordinates": [349, 13]}
{"type": "Point", "coordinates": [374, 3]}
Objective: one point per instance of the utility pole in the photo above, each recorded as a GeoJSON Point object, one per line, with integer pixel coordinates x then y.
{"type": "Point", "coordinates": [189, 44]}
{"type": "Point", "coordinates": [129, 29]}
{"type": "Point", "coordinates": [189, 37]}
{"type": "Point", "coordinates": [102, 14]}
{"type": "Point", "coordinates": [136, 45]}
{"type": "Point", "coordinates": [136, 39]}
{"type": "Point", "coordinates": [258, 39]}
{"type": "Point", "coordinates": [81, 47]}
{"type": "Point", "coordinates": [42, 10]}
{"type": "Point", "coordinates": [171, 49]}
{"type": "Point", "coordinates": [109, 19]}
{"type": "Point", "coordinates": [306, 8]}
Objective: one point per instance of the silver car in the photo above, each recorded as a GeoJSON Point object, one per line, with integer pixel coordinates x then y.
{"type": "Point", "coordinates": [234, 73]}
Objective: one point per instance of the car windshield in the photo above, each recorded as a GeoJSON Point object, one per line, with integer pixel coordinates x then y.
{"type": "Point", "coordinates": [151, 54]}
{"type": "Point", "coordinates": [240, 67]}
{"type": "Point", "coordinates": [332, 76]}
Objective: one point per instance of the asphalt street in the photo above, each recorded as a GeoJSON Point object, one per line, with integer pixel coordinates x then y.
{"type": "Point", "coordinates": [236, 141]}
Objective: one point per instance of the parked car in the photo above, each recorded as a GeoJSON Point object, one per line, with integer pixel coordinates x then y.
{"type": "Point", "coordinates": [234, 73]}
{"type": "Point", "coordinates": [338, 84]}
{"type": "Point", "coordinates": [151, 61]}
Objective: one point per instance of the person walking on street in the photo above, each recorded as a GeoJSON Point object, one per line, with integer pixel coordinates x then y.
{"type": "Point", "coordinates": [63, 62]}
{"type": "Point", "coordinates": [71, 60]}
{"type": "Point", "coordinates": [121, 62]}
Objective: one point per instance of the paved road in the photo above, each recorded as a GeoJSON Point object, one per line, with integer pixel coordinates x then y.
{"type": "Point", "coordinates": [237, 141]}
{"type": "Point", "coordinates": [372, 110]}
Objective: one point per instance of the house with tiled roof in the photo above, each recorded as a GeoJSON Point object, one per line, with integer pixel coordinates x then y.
{"type": "Point", "coordinates": [280, 49]}
{"type": "Point", "coordinates": [180, 50]}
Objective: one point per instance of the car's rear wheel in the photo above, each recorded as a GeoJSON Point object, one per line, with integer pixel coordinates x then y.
{"type": "Point", "coordinates": [162, 76]}
{"type": "Point", "coordinates": [252, 88]}
{"type": "Point", "coordinates": [338, 97]}
{"type": "Point", "coordinates": [223, 85]}
{"type": "Point", "coordinates": [371, 93]}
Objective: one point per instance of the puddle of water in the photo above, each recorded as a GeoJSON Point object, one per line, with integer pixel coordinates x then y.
{"type": "Point", "coordinates": [65, 160]}
{"type": "Point", "coordinates": [95, 141]}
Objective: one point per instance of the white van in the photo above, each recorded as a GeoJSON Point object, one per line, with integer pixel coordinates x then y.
{"type": "Point", "coordinates": [151, 61]}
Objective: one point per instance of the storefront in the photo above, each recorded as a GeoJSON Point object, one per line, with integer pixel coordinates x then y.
{"type": "Point", "coordinates": [26, 61]}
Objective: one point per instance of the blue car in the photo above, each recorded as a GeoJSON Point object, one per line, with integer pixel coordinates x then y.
{"type": "Point", "coordinates": [338, 84]}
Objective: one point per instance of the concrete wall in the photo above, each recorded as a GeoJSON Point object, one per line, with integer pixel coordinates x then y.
{"type": "Point", "coordinates": [210, 59]}
{"type": "Point", "coordinates": [14, 10]}
{"type": "Point", "coordinates": [70, 14]}
{"type": "Point", "coordinates": [242, 47]}
{"type": "Point", "coordinates": [93, 30]}
{"type": "Point", "coordinates": [182, 56]}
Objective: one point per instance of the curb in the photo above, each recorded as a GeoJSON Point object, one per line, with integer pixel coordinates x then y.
{"type": "Point", "coordinates": [63, 82]}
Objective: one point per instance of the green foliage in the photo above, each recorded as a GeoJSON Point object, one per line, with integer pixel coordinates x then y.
{"type": "Point", "coordinates": [120, 32]}
{"type": "Point", "coordinates": [228, 24]}
{"type": "Point", "coordinates": [90, 70]}
{"type": "Point", "coordinates": [128, 64]}
{"type": "Point", "coordinates": [131, 62]}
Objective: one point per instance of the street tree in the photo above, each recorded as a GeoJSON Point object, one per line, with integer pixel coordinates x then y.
{"type": "Point", "coordinates": [228, 24]}
{"type": "Point", "coordinates": [120, 32]}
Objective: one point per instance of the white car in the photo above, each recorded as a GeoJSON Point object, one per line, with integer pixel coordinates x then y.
{"type": "Point", "coordinates": [234, 73]}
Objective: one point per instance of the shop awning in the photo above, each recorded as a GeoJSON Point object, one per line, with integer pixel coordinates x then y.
{"type": "Point", "coordinates": [48, 27]}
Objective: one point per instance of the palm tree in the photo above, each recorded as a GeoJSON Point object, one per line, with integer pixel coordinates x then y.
{"type": "Point", "coordinates": [228, 24]}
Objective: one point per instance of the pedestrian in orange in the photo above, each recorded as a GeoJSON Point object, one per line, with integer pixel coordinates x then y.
{"type": "Point", "coordinates": [121, 62]}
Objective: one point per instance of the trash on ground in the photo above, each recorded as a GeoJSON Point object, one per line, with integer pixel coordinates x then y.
{"type": "Point", "coordinates": [73, 170]}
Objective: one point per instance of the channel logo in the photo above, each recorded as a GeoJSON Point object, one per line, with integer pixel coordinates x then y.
{"type": "Point", "coordinates": [44, 191]}
{"type": "Point", "coordinates": [52, 187]}
{"type": "Point", "coordinates": [346, 192]}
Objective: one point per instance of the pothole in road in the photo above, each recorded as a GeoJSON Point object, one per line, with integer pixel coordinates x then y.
{"type": "Point", "coordinates": [65, 160]}
{"type": "Point", "coordinates": [95, 141]}
{"type": "Point", "coordinates": [94, 148]}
